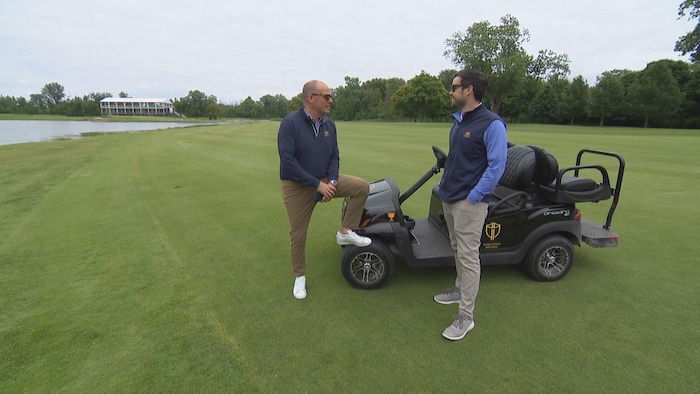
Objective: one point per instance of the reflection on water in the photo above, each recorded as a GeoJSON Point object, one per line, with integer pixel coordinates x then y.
{"type": "Point", "coordinates": [19, 131]}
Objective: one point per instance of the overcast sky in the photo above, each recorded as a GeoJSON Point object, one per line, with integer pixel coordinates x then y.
{"type": "Point", "coordinates": [234, 48]}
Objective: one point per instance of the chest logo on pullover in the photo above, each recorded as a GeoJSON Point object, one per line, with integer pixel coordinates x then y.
{"type": "Point", "coordinates": [326, 133]}
{"type": "Point", "coordinates": [468, 134]}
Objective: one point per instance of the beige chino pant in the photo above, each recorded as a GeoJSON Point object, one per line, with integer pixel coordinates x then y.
{"type": "Point", "coordinates": [299, 202]}
{"type": "Point", "coordinates": [465, 223]}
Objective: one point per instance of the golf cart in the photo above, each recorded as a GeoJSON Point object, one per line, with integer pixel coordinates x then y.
{"type": "Point", "coordinates": [532, 219]}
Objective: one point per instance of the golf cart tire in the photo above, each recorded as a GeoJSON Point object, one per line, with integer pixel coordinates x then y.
{"type": "Point", "coordinates": [367, 267]}
{"type": "Point", "coordinates": [550, 258]}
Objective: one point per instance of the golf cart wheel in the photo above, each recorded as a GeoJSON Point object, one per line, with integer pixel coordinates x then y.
{"type": "Point", "coordinates": [367, 267]}
{"type": "Point", "coordinates": [550, 258]}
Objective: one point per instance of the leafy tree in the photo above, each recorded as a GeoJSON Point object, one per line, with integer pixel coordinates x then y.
{"type": "Point", "coordinates": [365, 100]}
{"type": "Point", "coordinates": [498, 52]}
{"type": "Point", "coordinates": [690, 43]}
{"type": "Point", "coordinates": [446, 76]}
{"type": "Point", "coordinates": [25, 107]}
{"type": "Point", "coordinates": [91, 107]}
{"type": "Point", "coordinates": [53, 94]}
{"type": "Point", "coordinates": [346, 101]}
{"type": "Point", "coordinates": [578, 99]}
{"type": "Point", "coordinates": [211, 102]}
{"type": "Point", "coordinates": [77, 107]}
{"type": "Point", "coordinates": [370, 102]}
{"type": "Point", "coordinates": [655, 94]}
{"type": "Point", "coordinates": [212, 110]}
{"type": "Point", "coordinates": [250, 109]}
{"type": "Point", "coordinates": [123, 95]}
{"type": "Point", "coordinates": [38, 101]}
{"type": "Point", "coordinates": [683, 74]}
{"type": "Point", "coordinates": [548, 65]}
{"type": "Point", "coordinates": [195, 104]}
{"type": "Point", "coordinates": [516, 107]}
{"type": "Point", "coordinates": [96, 96]}
{"type": "Point", "coordinates": [422, 97]}
{"type": "Point", "coordinates": [273, 107]}
{"type": "Point", "coordinates": [358, 100]}
{"type": "Point", "coordinates": [281, 106]}
{"type": "Point", "coordinates": [295, 103]}
{"type": "Point", "coordinates": [8, 105]}
{"type": "Point", "coordinates": [680, 69]}
{"type": "Point", "coordinates": [549, 105]}
{"type": "Point", "coordinates": [392, 86]}
{"type": "Point", "coordinates": [691, 102]}
{"type": "Point", "coordinates": [607, 96]}
{"type": "Point", "coordinates": [375, 102]}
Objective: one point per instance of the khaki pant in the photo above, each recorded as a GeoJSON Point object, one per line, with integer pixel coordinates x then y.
{"type": "Point", "coordinates": [299, 202]}
{"type": "Point", "coordinates": [465, 223]}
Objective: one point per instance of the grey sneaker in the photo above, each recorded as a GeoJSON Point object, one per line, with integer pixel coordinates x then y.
{"type": "Point", "coordinates": [459, 328]}
{"type": "Point", "coordinates": [451, 296]}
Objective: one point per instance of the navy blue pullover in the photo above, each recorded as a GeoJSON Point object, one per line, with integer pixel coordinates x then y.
{"type": "Point", "coordinates": [307, 154]}
{"type": "Point", "coordinates": [477, 157]}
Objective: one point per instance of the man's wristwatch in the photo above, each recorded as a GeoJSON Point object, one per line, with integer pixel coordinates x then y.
{"type": "Point", "coordinates": [333, 182]}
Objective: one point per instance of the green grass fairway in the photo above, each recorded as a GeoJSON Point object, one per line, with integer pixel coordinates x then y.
{"type": "Point", "coordinates": [159, 262]}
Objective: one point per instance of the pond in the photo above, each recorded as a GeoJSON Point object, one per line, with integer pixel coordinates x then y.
{"type": "Point", "coordinates": [20, 131]}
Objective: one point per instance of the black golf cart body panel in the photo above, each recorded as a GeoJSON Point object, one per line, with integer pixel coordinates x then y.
{"type": "Point", "coordinates": [425, 242]}
{"type": "Point", "coordinates": [534, 200]}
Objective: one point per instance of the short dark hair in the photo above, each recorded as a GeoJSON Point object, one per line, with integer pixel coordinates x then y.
{"type": "Point", "coordinates": [477, 79]}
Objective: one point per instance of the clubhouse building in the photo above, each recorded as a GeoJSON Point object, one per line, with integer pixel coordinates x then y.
{"type": "Point", "coordinates": [136, 106]}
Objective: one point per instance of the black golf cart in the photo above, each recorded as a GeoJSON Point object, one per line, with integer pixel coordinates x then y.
{"type": "Point", "coordinates": [532, 219]}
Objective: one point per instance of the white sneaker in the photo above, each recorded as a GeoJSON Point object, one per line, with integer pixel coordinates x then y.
{"type": "Point", "coordinates": [299, 287]}
{"type": "Point", "coordinates": [352, 238]}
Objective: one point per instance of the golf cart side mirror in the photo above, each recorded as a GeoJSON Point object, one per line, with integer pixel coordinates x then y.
{"type": "Point", "coordinates": [440, 156]}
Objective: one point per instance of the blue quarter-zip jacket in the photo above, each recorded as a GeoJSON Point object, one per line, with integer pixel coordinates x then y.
{"type": "Point", "coordinates": [477, 157]}
{"type": "Point", "coordinates": [307, 154]}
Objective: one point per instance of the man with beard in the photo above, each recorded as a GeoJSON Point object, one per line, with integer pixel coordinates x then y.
{"type": "Point", "coordinates": [474, 165]}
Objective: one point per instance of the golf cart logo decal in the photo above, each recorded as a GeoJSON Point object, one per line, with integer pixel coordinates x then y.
{"type": "Point", "coordinates": [493, 230]}
{"type": "Point", "coordinates": [391, 215]}
{"type": "Point", "coordinates": [564, 212]}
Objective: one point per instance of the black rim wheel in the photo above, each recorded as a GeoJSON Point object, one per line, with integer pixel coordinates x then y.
{"type": "Point", "coordinates": [367, 267]}
{"type": "Point", "coordinates": [550, 258]}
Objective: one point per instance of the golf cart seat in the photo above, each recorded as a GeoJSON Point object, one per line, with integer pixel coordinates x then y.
{"type": "Point", "coordinates": [531, 169]}
{"type": "Point", "coordinates": [546, 166]}
{"type": "Point", "coordinates": [519, 173]}
{"type": "Point", "coordinates": [516, 184]}
{"type": "Point", "coordinates": [557, 186]}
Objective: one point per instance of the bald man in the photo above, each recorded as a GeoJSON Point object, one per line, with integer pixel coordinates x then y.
{"type": "Point", "coordinates": [309, 171]}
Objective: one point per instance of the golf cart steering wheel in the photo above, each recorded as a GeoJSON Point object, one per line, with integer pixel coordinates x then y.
{"type": "Point", "coordinates": [440, 156]}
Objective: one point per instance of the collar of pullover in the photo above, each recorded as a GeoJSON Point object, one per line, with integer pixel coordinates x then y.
{"type": "Point", "coordinates": [461, 116]}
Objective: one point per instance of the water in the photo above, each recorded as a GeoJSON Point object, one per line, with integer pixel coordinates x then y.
{"type": "Point", "coordinates": [20, 131]}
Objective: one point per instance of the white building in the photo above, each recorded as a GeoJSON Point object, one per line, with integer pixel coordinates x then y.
{"type": "Point", "coordinates": [136, 106]}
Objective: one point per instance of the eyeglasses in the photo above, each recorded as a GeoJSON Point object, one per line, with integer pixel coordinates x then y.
{"type": "Point", "coordinates": [328, 97]}
{"type": "Point", "coordinates": [454, 87]}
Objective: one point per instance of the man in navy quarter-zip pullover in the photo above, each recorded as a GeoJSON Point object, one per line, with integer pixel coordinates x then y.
{"type": "Point", "coordinates": [475, 163]}
{"type": "Point", "coordinates": [307, 142]}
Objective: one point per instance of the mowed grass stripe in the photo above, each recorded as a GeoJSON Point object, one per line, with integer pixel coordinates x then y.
{"type": "Point", "coordinates": [159, 261]}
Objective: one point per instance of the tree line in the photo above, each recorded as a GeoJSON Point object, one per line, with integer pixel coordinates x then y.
{"type": "Point", "coordinates": [523, 88]}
